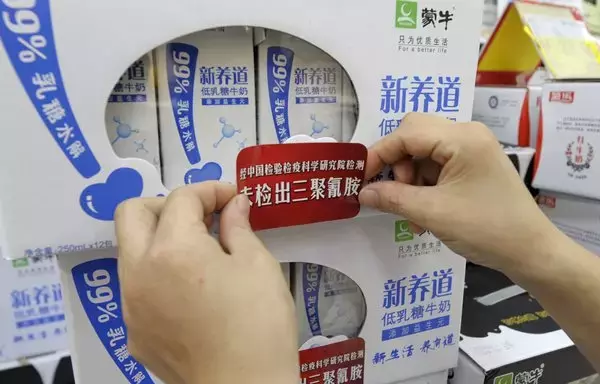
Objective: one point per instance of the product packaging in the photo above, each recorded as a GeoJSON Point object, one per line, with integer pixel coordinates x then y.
{"type": "Point", "coordinates": [507, 337]}
{"type": "Point", "coordinates": [31, 307]}
{"type": "Point", "coordinates": [328, 303]}
{"type": "Point", "coordinates": [577, 217]}
{"type": "Point", "coordinates": [299, 90]}
{"type": "Point", "coordinates": [569, 138]}
{"type": "Point", "coordinates": [131, 115]}
{"type": "Point", "coordinates": [505, 110]}
{"type": "Point", "coordinates": [413, 57]}
{"type": "Point", "coordinates": [206, 103]}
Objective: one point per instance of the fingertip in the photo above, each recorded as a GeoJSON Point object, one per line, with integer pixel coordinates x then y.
{"type": "Point", "coordinates": [369, 196]}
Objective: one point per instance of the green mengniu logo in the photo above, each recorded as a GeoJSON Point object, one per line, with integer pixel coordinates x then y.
{"type": "Point", "coordinates": [403, 232]}
{"type": "Point", "coordinates": [20, 263]}
{"type": "Point", "coordinates": [406, 14]}
{"type": "Point", "coordinates": [504, 379]}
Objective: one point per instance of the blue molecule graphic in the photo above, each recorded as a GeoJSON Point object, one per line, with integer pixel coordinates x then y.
{"type": "Point", "coordinates": [140, 145]}
{"type": "Point", "coordinates": [227, 131]}
{"type": "Point", "coordinates": [317, 126]}
{"type": "Point", "coordinates": [124, 131]}
{"type": "Point", "coordinates": [242, 144]}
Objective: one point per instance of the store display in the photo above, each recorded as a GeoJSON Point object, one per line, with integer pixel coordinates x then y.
{"type": "Point", "coordinates": [206, 104]}
{"type": "Point", "coordinates": [577, 217]}
{"type": "Point", "coordinates": [299, 90]}
{"type": "Point", "coordinates": [507, 337]}
{"type": "Point", "coordinates": [131, 116]}
{"type": "Point", "coordinates": [569, 138]}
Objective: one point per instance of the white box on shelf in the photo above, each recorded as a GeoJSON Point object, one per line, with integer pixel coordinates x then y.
{"type": "Point", "coordinates": [569, 139]}
{"type": "Point", "coordinates": [577, 217]}
{"type": "Point", "coordinates": [505, 111]}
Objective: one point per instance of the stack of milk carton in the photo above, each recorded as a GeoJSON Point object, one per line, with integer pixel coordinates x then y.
{"type": "Point", "coordinates": [568, 169]}
{"type": "Point", "coordinates": [192, 104]}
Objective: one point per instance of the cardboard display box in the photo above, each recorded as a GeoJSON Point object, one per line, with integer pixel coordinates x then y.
{"type": "Point", "coordinates": [577, 217]}
{"type": "Point", "coordinates": [569, 139]}
{"type": "Point", "coordinates": [507, 337]}
{"type": "Point", "coordinates": [424, 64]}
{"type": "Point", "coordinates": [32, 314]}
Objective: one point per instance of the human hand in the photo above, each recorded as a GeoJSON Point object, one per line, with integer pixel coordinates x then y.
{"type": "Point", "coordinates": [455, 180]}
{"type": "Point", "coordinates": [198, 309]}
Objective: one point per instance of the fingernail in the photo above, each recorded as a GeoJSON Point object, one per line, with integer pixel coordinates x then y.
{"type": "Point", "coordinates": [243, 205]}
{"type": "Point", "coordinates": [368, 197]}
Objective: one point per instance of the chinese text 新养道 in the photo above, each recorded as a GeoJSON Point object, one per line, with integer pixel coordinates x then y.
{"type": "Point", "coordinates": [403, 94]}
{"type": "Point", "coordinates": [417, 303]}
{"type": "Point", "coordinates": [224, 85]}
{"type": "Point", "coordinates": [316, 85]}
{"type": "Point", "coordinates": [132, 86]}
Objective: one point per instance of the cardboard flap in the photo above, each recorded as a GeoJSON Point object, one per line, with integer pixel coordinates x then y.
{"type": "Point", "coordinates": [529, 34]}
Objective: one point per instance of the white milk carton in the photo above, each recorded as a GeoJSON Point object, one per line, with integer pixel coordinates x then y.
{"type": "Point", "coordinates": [299, 90]}
{"type": "Point", "coordinates": [131, 116]}
{"type": "Point", "coordinates": [207, 104]}
{"type": "Point", "coordinates": [577, 217]}
{"type": "Point", "coordinates": [328, 303]}
{"type": "Point", "coordinates": [31, 307]}
{"type": "Point", "coordinates": [567, 159]}
{"type": "Point", "coordinates": [505, 111]}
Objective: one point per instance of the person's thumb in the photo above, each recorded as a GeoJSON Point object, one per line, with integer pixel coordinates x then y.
{"type": "Point", "coordinates": [235, 230]}
{"type": "Point", "coordinates": [398, 198]}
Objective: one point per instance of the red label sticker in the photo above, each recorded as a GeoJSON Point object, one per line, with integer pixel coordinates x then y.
{"type": "Point", "coordinates": [566, 97]}
{"type": "Point", "coordinates": [341, 362]}
{"type": "Point", "coordinates": [295, 184]}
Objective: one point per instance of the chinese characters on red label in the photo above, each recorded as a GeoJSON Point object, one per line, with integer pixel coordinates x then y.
{"type": "Point", "coordinates": [295, 184]}
{"type": "Point", "coordinates": [334, 363]}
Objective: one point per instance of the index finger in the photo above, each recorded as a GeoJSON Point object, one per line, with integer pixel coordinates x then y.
{"type": "Point", "coordinates": [187, 207]}
{"type": "Point", "coordinates": [419, 135]}
{"type": "Point", "coordinates": [135, 225]}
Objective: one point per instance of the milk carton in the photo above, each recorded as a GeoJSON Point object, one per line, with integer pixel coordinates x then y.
{"type": "Point", "coordinates": [31, 307]}
{"type": "Point", "coordinates": [131, 116]}
{"type": "Point", "coordinates": [206, 104]}
{"type": "Point", "coordinates": [577, 217]}
{"type": "Point", "coordinates": [328, 303]}
{"type": "Point", "coordinates": [299, 90]}
{"type": "Point", "coordinates": [505, 111]}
